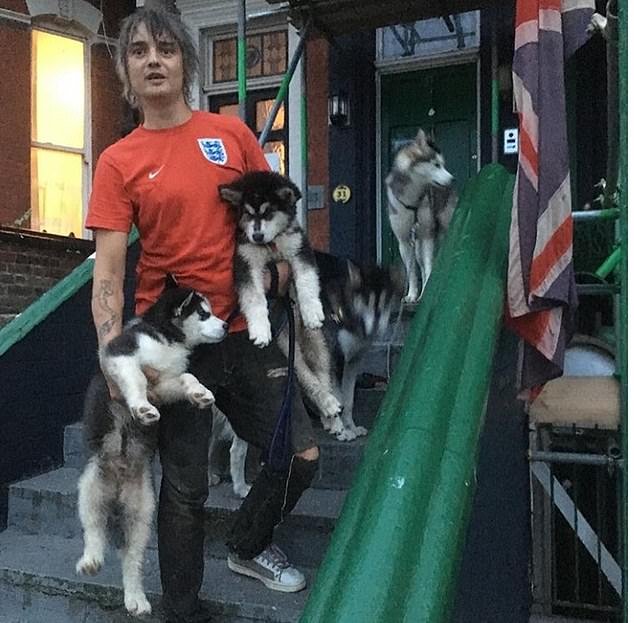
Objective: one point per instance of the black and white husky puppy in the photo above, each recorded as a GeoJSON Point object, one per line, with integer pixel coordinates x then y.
{"type": "Point", "coordinates": [268, 231]}
{"type": "Point", "coordinates": [421, 203]}
{"type": "Point", "coordinates": [359, 302]}
{"type": "Point", "coordinates": [117, 482]}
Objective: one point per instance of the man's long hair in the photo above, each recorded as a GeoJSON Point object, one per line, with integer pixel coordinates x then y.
{"type": "Point", "coordinates": [158, 23]}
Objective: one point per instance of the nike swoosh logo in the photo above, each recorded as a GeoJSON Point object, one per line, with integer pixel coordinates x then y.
{"type": "Point", "coordinates": [152, 174]}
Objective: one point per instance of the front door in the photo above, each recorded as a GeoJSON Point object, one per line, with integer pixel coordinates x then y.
{"type": "Point", "coordinates": [443, 102]}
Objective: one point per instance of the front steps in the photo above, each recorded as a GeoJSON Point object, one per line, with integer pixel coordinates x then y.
{"type": "Point", "coordinates": [38, 585]}
{"type": "Point", "coordinates": [42, 543]}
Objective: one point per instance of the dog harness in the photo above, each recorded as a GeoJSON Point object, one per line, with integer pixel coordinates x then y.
{"type": "Point", "coordinates": [413, 232]}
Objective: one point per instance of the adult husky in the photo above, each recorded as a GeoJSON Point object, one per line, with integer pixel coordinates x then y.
{"type": "Point", "coordinates": [421, 204]}
{"type": "Point", "coordinates": [359, 302]}
{"type": "Point", "coordinates": [116, 481]}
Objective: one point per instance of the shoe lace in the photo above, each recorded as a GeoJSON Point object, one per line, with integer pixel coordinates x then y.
{"type": "Point", "coordinates": [276, 557]}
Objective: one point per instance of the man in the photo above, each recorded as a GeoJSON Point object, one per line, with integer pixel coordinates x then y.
{"type": "Point", "coordinates": [164, 177]}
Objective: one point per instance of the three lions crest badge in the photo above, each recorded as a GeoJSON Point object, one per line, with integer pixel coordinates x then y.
{"type": "Point", "coordinates": [213, 149]}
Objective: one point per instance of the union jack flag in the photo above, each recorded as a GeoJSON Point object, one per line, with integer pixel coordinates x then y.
{"type": "Point", "coordinates": [541, 295]}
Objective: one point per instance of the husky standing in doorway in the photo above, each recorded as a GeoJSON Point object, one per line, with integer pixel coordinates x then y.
{"type": "Point", "coordinates": [421, 204]}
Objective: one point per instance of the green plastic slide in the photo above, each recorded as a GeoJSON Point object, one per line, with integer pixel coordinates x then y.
{"type": "Point", "coordinates": [397, 546]}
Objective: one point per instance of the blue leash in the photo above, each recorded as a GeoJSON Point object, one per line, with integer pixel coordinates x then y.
{"type": "Point", "coordinates": [279, 454]}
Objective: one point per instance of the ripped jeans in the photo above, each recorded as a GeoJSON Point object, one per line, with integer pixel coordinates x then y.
{"type": "Point", "coordinates": [238, 374]}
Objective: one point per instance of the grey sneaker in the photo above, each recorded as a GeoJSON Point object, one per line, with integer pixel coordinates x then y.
{"type": "Point", "coordinates": [270, 567]}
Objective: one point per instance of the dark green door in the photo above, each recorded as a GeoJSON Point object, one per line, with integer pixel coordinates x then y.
{"type": "Point", "coordinates": [442, 101]}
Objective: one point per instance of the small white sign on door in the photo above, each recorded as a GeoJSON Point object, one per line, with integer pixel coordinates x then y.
{"type": "Point", "coordinates": [511, 141]}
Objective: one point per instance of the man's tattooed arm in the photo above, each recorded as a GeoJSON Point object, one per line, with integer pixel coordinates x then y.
{"type": "Point", "coordinates": [107, 319]}
{"type": "Point", "coordinates": [107, 288]}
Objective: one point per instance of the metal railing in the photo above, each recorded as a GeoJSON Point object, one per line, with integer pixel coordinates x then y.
{"type": "Point", "coordinates": [577, 566]}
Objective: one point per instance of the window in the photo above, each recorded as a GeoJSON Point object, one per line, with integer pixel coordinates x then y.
{"type": "Point", "coordinates": [259, 104]}
{"type": "Point", "coordinates": [267, 62]}
{"type": "Point", "coordinates": [266, 56]}
{"type": "Point", "coordinates": [57, 134]}
{"type": "Point", "coordinates": [430, 37]}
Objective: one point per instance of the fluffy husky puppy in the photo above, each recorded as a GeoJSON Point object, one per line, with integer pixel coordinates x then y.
{"type": "Point", "coordinates": [421, 204]}
{"type": "Point", "coordinates": [162, 339]}
{"type": "Point", "coordinates": [116, 482]}
{"type": "Point", "coordinates": [359, 302]}
{"type": "Point", "coordinates": [265, 205]}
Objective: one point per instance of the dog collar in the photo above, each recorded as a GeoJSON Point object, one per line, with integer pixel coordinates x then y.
{"type": "Point", "coordinates": [409, 207]}
{"type": "Point", "coordinates": [414, 207]}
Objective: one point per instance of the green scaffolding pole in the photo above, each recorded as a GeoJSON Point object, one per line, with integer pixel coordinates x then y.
{"type": "Point", "coordinates": [242, 59]}
{"type": "Point", "coordinates": [283, 90]}
{"type": "Point", "coordinates": [610, 263]}
{"type": "Point", "coordinates": [622, 320]}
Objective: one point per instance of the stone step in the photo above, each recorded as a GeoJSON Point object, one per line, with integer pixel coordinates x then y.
{"type": "Point", "coordinates": [38, 584]}
{"type": "Point", "coordinates": [47, 506]}
{"type": "Point", "coordinates": [338, 459]}
{"type": "Point", "coordinates": [6, 319]}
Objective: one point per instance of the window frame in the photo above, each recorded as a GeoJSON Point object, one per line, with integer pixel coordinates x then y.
{"type": "Point", "coordinates": [85, 152]}
{"type": "Point", "coordinates": [256, 27]}
{"type": "Point", "coordinates": [216, 101]}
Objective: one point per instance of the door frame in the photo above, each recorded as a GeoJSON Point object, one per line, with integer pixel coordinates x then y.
{"type": "Point", "coordinates": [470, 57]}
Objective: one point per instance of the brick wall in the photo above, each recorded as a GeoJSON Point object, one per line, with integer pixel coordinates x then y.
{"type": "Point", "coordinates": [317, 110]}
{"type": "Point", "coordinates": [108, 108]}
{"type": "Point", "coordinates": [15, 122]}
{"type": "Point", "coordinates": [31, 263]}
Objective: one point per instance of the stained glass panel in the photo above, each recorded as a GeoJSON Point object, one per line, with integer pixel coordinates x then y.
{"type": "Point", "coordinates": [274, 53]}
{"type": "Point", "coordinates": [254, 56]}
{"type": "Point", "coordinates": [225, 63]}
{"type": "Point", "coordinates": [266, 56]}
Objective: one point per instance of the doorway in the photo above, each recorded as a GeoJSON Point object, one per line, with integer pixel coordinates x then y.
{"type": "Point", "coordinates": [443, 101]}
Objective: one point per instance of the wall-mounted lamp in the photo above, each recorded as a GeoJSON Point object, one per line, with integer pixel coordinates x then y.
{"type": "Point", "coordinates": [339, 109]}
{"type": "Point", "coordinates": [505, 81]}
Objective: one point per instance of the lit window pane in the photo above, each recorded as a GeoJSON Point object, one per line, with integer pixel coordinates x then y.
{"type": "Point", "coordinates": [56, 192]}
{"type": "Point", "coordinates": [278, 155]}
{"type": "Point", "coordinates": [262, 111]}
{"type": "Point", "coordinates": [58, 90]}
{"type": "Point", "coordinates": [232, 110]}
